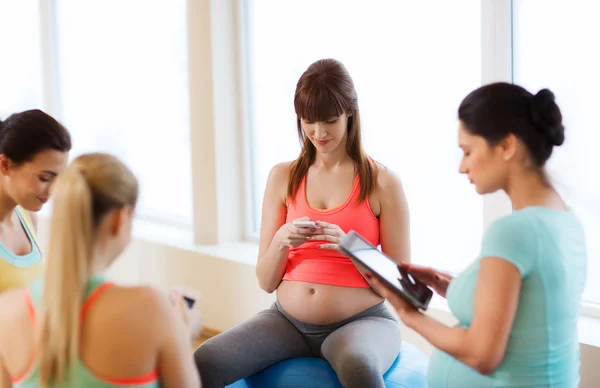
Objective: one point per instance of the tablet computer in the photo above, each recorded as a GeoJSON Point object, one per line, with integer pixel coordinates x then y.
{"type": "Point", "coordinates": [386, 270]}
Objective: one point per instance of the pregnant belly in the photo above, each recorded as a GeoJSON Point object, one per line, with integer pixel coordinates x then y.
{"type": "Point", "coordinates": [324, 304]}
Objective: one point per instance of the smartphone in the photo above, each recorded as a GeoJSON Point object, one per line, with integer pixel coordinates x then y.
{"type": "Point", "coordinates": [304, 224]}
{"type": "Point", "coordinates": [386, 270]}
{"type": "Point", "coordinates": [190, 295]}
{"type": "Point", "coordinates": [190, 301]}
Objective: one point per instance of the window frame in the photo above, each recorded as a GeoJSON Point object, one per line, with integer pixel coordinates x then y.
{"type": "Point", "coordinates": [496, 44]}
{"type": "Point", "coordinates": [52, 103]}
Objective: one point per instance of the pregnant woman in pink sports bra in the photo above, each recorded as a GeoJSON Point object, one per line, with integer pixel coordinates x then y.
{"type": "Point", "coordinates": [325, 308]}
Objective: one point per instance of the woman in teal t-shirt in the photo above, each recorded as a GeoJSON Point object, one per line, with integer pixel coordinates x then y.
{"type": "Point", "coordinates": [518, 303]}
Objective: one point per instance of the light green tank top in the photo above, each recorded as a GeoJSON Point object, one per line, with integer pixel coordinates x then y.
{"type": "Point", "coordinates": [81, 376]}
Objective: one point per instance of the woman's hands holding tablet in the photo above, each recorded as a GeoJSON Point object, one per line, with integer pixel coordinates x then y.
{"type": "Point", "coordinates": [404, 309]}
{"type": "Point", "coordinates": [437, 280]}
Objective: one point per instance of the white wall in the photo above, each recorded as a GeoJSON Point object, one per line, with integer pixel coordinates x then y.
{"type": "Point", "coordinates": [230, 292]}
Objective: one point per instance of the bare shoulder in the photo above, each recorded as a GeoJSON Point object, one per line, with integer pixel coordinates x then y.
{"type": "Point", "coordinates": [133, 306]}
{"type": "Point", "coordinates": [278, 179]}
{"type": "Point", "coordinates": [147, 297]}
{"type": "Point", "coordinates": [388, 182]}
{"type": "Point", "coordinates": [280, 172]}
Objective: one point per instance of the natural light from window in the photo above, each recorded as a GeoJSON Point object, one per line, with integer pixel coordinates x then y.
{"type": "Point", "coordinates": [553, 43]}
{"type": "Point", "coordinates": [123, 88]}
{"type": "Point", "coordinates": [411, 69]}
{"type": "Point", "coordinates": [20, 63]}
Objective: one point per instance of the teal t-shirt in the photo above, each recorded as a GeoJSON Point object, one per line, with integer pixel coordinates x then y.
{"type": "Point", "coordinates": [548, 248]}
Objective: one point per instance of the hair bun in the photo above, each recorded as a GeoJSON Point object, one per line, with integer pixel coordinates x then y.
{"type": "Point", "coordinates": [547, 118]}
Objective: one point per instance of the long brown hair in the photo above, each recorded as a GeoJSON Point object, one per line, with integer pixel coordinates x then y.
{"type": "Point", "coordinates": [91, 187]}
{"type": "Point", "coordinates": [326, 90]}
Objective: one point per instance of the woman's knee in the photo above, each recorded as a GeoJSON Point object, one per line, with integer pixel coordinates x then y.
{"type": "Point", "coordinates": [357, 367]}
{"type": "Point", "coordinates": [206, 356]}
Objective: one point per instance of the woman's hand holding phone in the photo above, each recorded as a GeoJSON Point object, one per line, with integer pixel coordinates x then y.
{"type": "Point", "coordinates": [190, 318]}
{"type": "Point", "coordinates": [295, 233]}
{"type": "Point", "coordinates": [331, 234]}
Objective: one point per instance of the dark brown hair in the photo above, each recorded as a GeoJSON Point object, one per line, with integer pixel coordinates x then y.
{"type": "Point", "coordinates": [24, 135]}
{"type": "Point", "coordinates": [496, 110]}
{"type": "Point", "coordinates": [325, 90]}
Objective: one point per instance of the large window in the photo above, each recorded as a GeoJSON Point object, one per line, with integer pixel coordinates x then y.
{"type": "Point", "coordinates": [554, 48]}
{"type": "Point", "coordinates": [406, 62]}
{"type": "Point", "coordinates": [116, 73]}
{"type": "Point", "coordinates": [123, 88]}
{"type": "Point", "coordinates": [20, 57]}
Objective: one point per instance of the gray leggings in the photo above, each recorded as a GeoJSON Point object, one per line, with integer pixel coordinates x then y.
{"type": "Point", "coordinates": [360, 349]}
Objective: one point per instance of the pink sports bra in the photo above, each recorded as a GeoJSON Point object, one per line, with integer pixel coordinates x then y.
{"type": "Point", "coordinates": [311, 264]}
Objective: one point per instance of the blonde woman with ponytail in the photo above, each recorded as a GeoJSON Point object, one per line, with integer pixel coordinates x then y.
{"type": "Point", "coordinates": [74, 328]}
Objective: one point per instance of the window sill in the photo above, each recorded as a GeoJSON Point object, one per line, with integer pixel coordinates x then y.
{"type": "Point", "coordinates": [246, 253]}
{"type": "Point", "coordinates": [183, 238]}
{"type": "Point", "coordinates": [589, 330]}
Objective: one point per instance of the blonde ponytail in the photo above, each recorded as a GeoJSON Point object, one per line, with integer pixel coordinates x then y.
{"type": "Point", "coordinates": [71, 235]}
{"type": "Point", "coordinates": [91, 187]}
